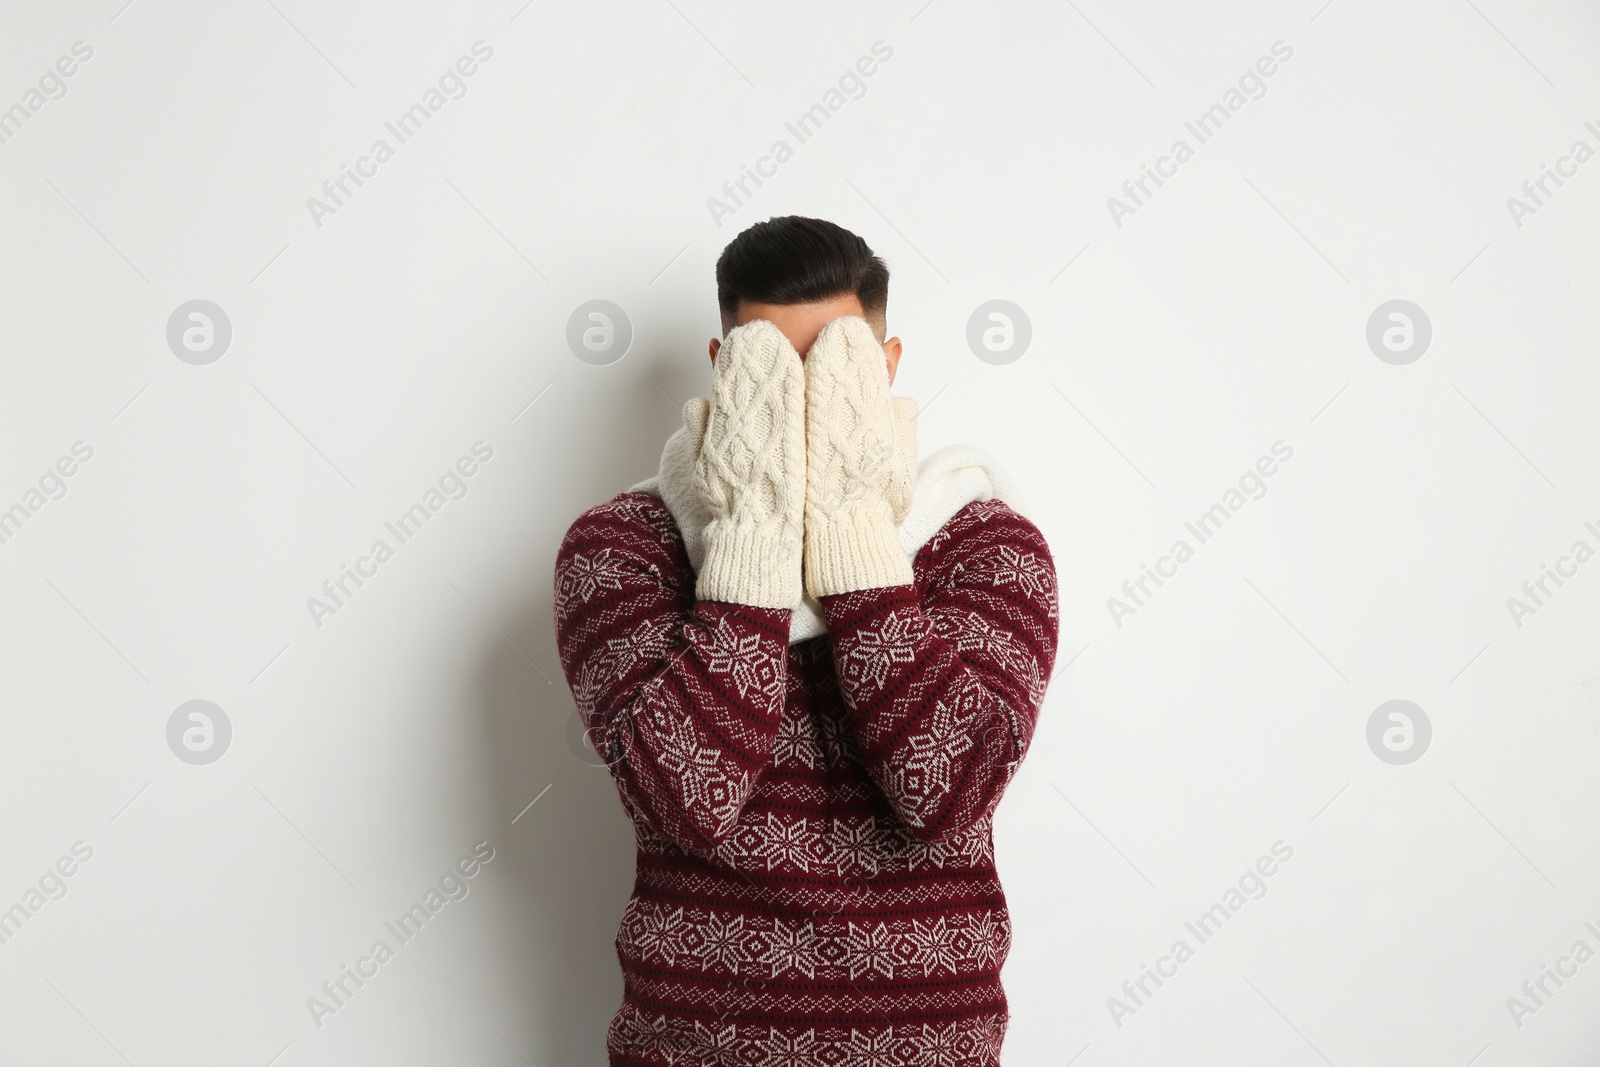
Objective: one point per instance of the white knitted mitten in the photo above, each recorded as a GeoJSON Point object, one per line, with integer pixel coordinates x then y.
{"type": "Point", "coordinates": [751, 471]}
{"type": "Point", "coordinates": [860, 462]}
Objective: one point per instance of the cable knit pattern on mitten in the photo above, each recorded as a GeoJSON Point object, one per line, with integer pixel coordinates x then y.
{"type": "Point", "coordinates": [860, 454]}
{"type": "Point", "coordinates": [751, 471]}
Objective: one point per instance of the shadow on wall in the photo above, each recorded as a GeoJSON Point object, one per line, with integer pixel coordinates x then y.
{"type": "Point", "coordinates": [570, 857]}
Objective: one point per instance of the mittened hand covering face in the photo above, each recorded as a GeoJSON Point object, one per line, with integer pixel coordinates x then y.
{"type": "Point", "coordinates": [860, 458]}
{"type": "Point", "coordinates": [751, 470]}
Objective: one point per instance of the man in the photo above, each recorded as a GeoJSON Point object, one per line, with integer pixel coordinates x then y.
{"type": "Point", "coordinates": [812, 666]}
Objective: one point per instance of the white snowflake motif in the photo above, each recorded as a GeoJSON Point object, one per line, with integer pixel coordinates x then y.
{"type": "Point", "coordinates": [906, 789]}
{"type": "Point", "coordinates": [870, 1049]}
{"type": "Point", "coordinates": [941, 1046]}
{"type": "Point", "coordinates": [795, 743]}
{"type": "Point", "coordinates": [621, 655]}
{"type": "Point", "coordinates": [723, 1044]}
{"type": "Point", "coordinates": [584, 577]}
{"type": "Point", "coordinates": [790, 947]}
{"type": "Point", "coordinates": [948, 737]}
{"type": "Point", "coordinates": [706, 784]}
{"type": "Point", "coordinates": [646, 642]}
{"type": "Point", "coordinates": [991, 1034]}
{"type": "Point", "coordinates": [873, 650]}
{"type": "Point", "coordinates": [976, 846]}
{"type": "Point", "coordinates": [739, 656]}
{"type": "Point", "coordinates": [736, 846]}
{"type": "Point", "coordinates": [789, 1050]}
{"type": "Point", "coordinates": [869, 950]}
{"type": "Point", "coordinates": [854, 846]}
{"type": "Point", "coordinates": [934, 948]}
{"type": "Point", "coordinates": [608, 666]}
{"type": "Point", "coordinates": [681, 754]}
{"type": "Point", "coordinates": [647, 1035]}
{"type": "Point", "coordinates": [724, 799]}
{"type": "Point", "coordinates": [973, 635]}
{"type": "Point", "coordinates": [658, 934]}
{"type": "Point", "coordinates": [926, 773]}
{"type": "Point", "coordinates": [722, 942]}
{"type": "Point", "coordinates": [786, 841]}
{"type": "Point", "coordinates": [988, 939]}
{"type": "Point", "coordinates": [836, 739]}
{"type": "Point", "coordinates": [591, 679]}
{"type": "Point", "coordinates": [930, 853]}
{"type": "Point", "coordinates": [1007, 565]}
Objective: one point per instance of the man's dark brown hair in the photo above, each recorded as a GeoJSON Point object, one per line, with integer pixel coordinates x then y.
{"type": "Point", "coordinates": [796, 260]}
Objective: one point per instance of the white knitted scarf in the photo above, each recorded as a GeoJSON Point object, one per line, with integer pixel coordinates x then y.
{"type": "Point", "coordinates": [947, 480]}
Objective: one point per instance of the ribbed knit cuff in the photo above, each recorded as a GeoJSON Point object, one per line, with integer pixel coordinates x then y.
{"type": "Point", "coordinates": [854, 550]}
{"type": "Point", "coordinates": [750, 565]}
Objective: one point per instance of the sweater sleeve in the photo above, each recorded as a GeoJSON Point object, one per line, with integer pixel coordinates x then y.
{"type": "Point", "coordinates": [942, 679]}
{"type": "Point", "coordinates": [682, 698]}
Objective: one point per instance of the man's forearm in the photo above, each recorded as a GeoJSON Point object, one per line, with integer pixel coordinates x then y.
{"type": "Point", "coordinates": [688, 742]}
{"type": "Point", "coordinates": [943, 696]}
{"type": "Point", "coordinates": [682, 698]}
{"type": "Point", "coordinates": [936, 737]}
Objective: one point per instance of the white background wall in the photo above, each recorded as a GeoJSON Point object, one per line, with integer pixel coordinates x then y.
{"type": "Point", "coordinates": [1168, 353]}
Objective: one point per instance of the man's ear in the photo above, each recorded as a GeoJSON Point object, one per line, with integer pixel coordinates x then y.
{"type": "Point", "coordinates": [891, 353]}
{"type": "Point", "coordinates": [715, 345]}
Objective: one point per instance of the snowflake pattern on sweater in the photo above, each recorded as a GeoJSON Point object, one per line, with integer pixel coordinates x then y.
{"type": "Point", "coordinates": [815, 880]}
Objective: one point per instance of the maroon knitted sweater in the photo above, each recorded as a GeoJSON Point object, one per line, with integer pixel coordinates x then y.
{"type": "Point", "coordinates": [815, 878]}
